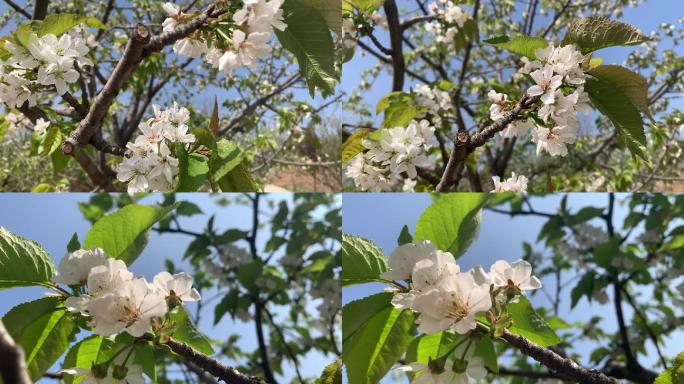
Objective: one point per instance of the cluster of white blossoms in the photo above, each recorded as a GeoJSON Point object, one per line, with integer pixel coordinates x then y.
{"type": "Point", "coordinates": [151, 165]}
{"type": "Point", "coordinates": [393, 158]}
{"type": "Point", "coordinates": [446, 298]}
{"type": "Point", "coordinates": [513, 184]}
{"type": "Point", "coordinates": [435, 101]}
{"type": "Point", "coordinates": [113, 299]}
{"type": "Point", "coordinates": [450, 19]}
{"type": "Point", "coordinates": [46, 62]}
{"type": "Point", "coordinates": [254, 22]}
{"type": "Point", "coordinates": [350, 30]}
{"type": "Point", "coordinates": [559, 83]}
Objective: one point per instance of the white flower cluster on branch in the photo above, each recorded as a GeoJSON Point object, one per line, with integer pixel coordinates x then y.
{"type": "Point", "coordinates": [451, 19]}
{"type": "Point", "coordinates": [113, 299]}
{"type": "Point", "coordinates": [47, 62]}
{"type": "Point", "coordinates": [393, 158]}
{"type": "Point", "coordinates": [512, 184]}
{"type": "Point", "coordinates": [446, 298]}
{"type": "Point", "coordinates": [254, 24]}
{"type": "Point", "coordinates": [559, 83]}
{"type": "Point", "coordinates": [152, 165]}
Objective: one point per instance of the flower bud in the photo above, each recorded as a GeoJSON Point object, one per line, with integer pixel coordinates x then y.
{"type": "Point", "coordinates": [120, 372]}
{"type": "Point", "coordinates": [99, 370]}
{"type": "Point", "coordinates": [459, 366]}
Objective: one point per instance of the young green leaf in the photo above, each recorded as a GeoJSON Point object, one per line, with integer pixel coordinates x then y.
{"type": "Point", "coordinates": [595, 32]}
{"type": "Point", "coordinates": [529, 324]}
{"type": "Point", "coordinates": [73, 244]}
{"type": "Point", "coordinates": [374, 348]}
{"type": "Point", "coordinates": [307, 36]}
{"type": "Point", "coordinates": [521, 44]}
{"type": "Point", "coordinates": [405, 236]}
{"type": "Point", "coordinates": [92, 349]}
{"type": "Point", "coordinates": [332, 374]}
{"type": "Point", "coordinates": [60, 23]}
{"type": "Point", "coordinates": [362, 260]}
{"type": "Point", "coordinates": [23, 262]}
{"type": "Point", "coordinates": [452, 222]}
{"type": "Point", "coordinates": [123, 234]}
{"type": "Point", "coordinates": [187, 333]}
{"type": "Point", "coordinates": [354, 144]}
{"type": "Point", "coordinates": [193, 170]}
{"type": "Point", "coordinates": [43, 328]}
{"type": "Point", "coordinates": [357, 313]}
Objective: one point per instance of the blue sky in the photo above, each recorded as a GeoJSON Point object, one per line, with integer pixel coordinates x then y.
{"type": "Point", "coordinates": [647, 17]}
{"type": "Point", "coordinates": [51, 219]}
{"type": "Point", "coordinates": [500, 237]}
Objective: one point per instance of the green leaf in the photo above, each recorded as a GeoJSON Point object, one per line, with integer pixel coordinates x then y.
{"type": "Point", "coordinates": [193, 169]}
{"type": "Point", "coordinates": [43, 329]}
{"type": "Point", "coordinates": [58, 24]}
{"type": "Point", "coordinates": [354, 144]}
{"type": "Point", "coordinates": [426, 347]}
{"type": "Point", "coordinates": [362, 260]}
{"type": "Point", "coordinates": [21, 316]}
{"type": "Point", "coordinates": [249, 272]}
{"type": "Point", "coordinates": [74, 244]}
{"type": "Point", "coordinates": [585, 214]}
{"type": "Point", "coordinates": [399, 108]}
{"type": "Point", "coordinates": [144, 357]}
{"type": "Point", "coordinates": [238, 180]}
{"type": "Point", "coordinates": [521, 44]}
{"type": "Point", "coordinates": [595, 32]}
{"type": "Point", "coordinates": [357, 313]}
{"type": "Point", "coordinates": [332, 374]}
{"type": "Point", "coordinates": [584, 287]}
{"type": "Point", "coordinates": [366, 6]}
{"type": "Point", "coordinates": [331, 11]}
{"type": "Point", "coordinates": [484, 348]}
{"type": "Point", "coordinates": [23, 262]}
{"type": "Point", "coordinates": [372, 351]}
{"type": "Point", "coordinates": [228, 169]}
{"type": "Point", "coordinates": [308, 38]}
{"type": "Point", "coordinates": [52, 141]}
{"type": "Point", "coordinates": [59, 161]}
{"type": "Point", "coordinates": [631, 84]}
{"type": "Point", "coordinates": [228, 155]}
{"type": "Point", "coordinates": [93, 349]}
{"type": "Point", "coordinates": [529, 324]}
{"type": "Point", "coordinates": [187, 333]}
{"type": "Point", "coordinates": [607, 93]}
{"type": "Point", "coordinates": [227, 305]}
{"type": "Point", "coordinates": [405, 236]}
{"type": "Point", "coordinates": [452, 222]}
{"type": "Point", "coordinates": [123, 234]}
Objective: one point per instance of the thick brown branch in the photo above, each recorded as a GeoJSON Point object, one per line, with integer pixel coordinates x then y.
{"type": "Point", "coordinates": [12, 365]}
{"type": "Point", "coordinates": [132, 56]}
{"type": "Point", "coordinates": [214, 367]}
{"type": "Point", "coordinates": [395, 31]}
{"type": "Point", "coordinates": [40, 10]}
{"type": "Point", "coordinates": [140, 45]}
{"type": "Point", "coordinates": [565, 367]}
{"type": "Point", "coordinates": [464, 144]}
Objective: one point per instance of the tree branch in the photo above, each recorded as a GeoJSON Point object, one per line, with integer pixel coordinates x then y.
{"type": "Point", "coordinates": [140, 46]}
{"type": "Point", "coordinates": [208, 364]}
{"type": "Point", "coordinates": [395, 31]}
{"type": "Point", "coordinates": [566, 368]}
{"type": "Point", "coordinates": [464, 144]}
{"type": "Point", "coordinates": [40, 10]}
{"type": "Point", "coordinates": [12, 365]}
{"type": "Point", "coordinates": [18, 8]}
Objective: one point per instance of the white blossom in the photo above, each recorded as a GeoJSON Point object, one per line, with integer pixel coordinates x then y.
{"type": "Point", "coordinates": [152, 166]}
{"type": "Point", "coordinates": [131, 306]}
{"type": "Point", "coordinates": [178, 285]}
{"type": "Point", "coordinates": [513, 184]}
{"type": "Point", "coordinates": [453, 304]}
{"type": "Point", "coordinates": [75, 267]}
{"type": "Point", "coordinates": [517, 275]}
